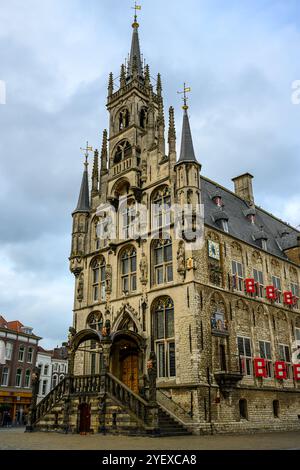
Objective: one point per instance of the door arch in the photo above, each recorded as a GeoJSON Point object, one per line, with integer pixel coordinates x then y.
{"type": "Point", "coordinates": [126, 361]}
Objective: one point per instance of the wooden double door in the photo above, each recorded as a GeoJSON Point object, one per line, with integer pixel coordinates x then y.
{"type": "Point", "coordinates": [130, 372]}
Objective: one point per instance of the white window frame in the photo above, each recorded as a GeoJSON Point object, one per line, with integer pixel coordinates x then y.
{"type": "Point", "coordinates": [268, 360]}
{"type": "Point", "coordinates": [276, 281]}
{"type": "Point", "coordinates": [9, 347]}
{"type": "Point", "coordinates": [4, 383]}
{"type": "Point", "coordinates": [21, 353]}
{"type": "Point", "coordinates": [238, 278]}
{"type": "Point", "coordinates": [283, 357]}
{"type": "Point", "coordinates": [259, 282]}
{"type": "Point", "coordinates": [247, 361]}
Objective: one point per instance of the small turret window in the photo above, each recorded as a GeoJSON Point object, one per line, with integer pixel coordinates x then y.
{"type": "Point", "coordinates": [124, 118]}
{"type": "Point", "coordinates": [123, 151]}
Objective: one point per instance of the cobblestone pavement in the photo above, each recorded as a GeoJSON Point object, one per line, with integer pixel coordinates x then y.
{"type": "Point", "coordinates": [16, 439]}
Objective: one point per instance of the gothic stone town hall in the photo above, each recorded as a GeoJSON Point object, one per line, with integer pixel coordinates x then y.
{"type": "Point", "coordinates": [167, 341]}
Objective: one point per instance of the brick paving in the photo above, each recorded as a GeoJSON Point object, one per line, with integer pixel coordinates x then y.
{"type": "Point", "coordinates": [16, 439]}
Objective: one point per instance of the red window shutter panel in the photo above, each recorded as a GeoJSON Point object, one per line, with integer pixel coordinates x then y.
{"type": "Point", "coordinates": [250, 286]}
{"type": "Point", "coordinates": [280, 370]}
{"type": "Point", "coordinates": [260, 367]}
{"type": "Point", "coordinates": [288, 298]}
{"type": "Point", "coordinates": [296, 368]}
{"type": "Point", "coordinates": [271, 292]}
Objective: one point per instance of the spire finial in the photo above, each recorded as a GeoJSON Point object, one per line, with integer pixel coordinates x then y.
{"type": "Point", "coordinates": [185, 97]}
{"type": "Point", "coordinates": [135, 8]}
{"type": "Point", "coordinates": [86, 153]}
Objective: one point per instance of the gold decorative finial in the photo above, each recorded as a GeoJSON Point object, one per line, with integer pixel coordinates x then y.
{"type": "Point", "coordinates": [185, 97]}
{"type": "Point", "coordinates": [135, 8]}
{"type": "Point", "coordinates": [86, 152]}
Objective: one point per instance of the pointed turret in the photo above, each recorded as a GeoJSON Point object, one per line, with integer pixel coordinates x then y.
{"type": "Point", "coordinates": [187, 153]}
{"type": "Point", "coordinates": [83, 204]}
{"type": "Point", "coordinates": [172, 131]}
{"type": "Point", "coordinates": [135, 60]}
{"type": "Point", "coordinates": [188, 186]}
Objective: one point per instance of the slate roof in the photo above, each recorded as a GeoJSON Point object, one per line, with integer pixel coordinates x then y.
{"type": "Point", "coordinates": [187, 153]}
{"type": "Point", "coordinates": [83, 204]}
{"type": "Point", "coordinates": [279, 234]}
{"type": "Point", "coordinates": [135, 53]}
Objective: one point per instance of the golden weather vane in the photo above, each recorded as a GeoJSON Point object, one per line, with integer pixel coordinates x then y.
{"type": "Point", "coordinates": [185, 96]}
{"type": "Point", "coordinates": [136, 8]}
{"type": "Point", "coordinates": [86, 152]}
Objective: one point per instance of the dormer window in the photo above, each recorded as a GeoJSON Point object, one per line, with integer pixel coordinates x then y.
{"type": "Point", "coordinates": [225, 225]}
{"type": "Point", "coordinates": [218, 201]}
{"type": "Point", "coordinates": [264, 245]}
{"type": "Point", "coordinates": [217, 198]}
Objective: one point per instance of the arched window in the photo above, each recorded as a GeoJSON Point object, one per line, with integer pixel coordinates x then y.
{"type": "Point", "coordinates": [143, 118]}
{"type": "Point", "coordinates": [95, 321]}
{"type": "Point", "coordinates": [21, 353]}
{"type": "Point", "coordinates": [162, 260]}
{"type": "Point", "coordinates": [276, 408]}
{"type": "Point", "coordinates": [128, 220]}
{"type": "Point", "coordinates": [18, 377]}
{"type": "Point", "coordinates": [243, 407]}
{"type": "Point", "coordinates": [29, 355]}
{"type": "Point", "coordinates": [161, 207]}
{"type": "Point", "coordinates": [27, 378]}
{"type": "Point", "coordinates": [163, 326]}
{"type": "Point", "coordinates": [123, 151]}
{"type": "Point", "coordinates": [54, 381]}
{"type": "Point", "coordinates": [124, 118]}
{"type": "Point", "coordinates": [98, 279]}
{"type": "Point", "coordinates": [128, 270]}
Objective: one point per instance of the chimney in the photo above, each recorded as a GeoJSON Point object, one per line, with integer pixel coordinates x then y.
{"type": "Point", "coordinates": [243, 187]}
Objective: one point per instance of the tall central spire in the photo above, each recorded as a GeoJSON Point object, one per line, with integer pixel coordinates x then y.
{"type": "Point", "coordinates": [135, 60]}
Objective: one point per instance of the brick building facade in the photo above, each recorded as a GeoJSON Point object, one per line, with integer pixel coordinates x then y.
{"type": "Point", "coordinates": [16, 370]}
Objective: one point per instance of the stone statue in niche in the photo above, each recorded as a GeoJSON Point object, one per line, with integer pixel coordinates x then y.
{"type": "Point", "coordinates": [144, 269]}
{"type": "Point", "coordinates": [108, 278]}
{"type": "Point", "coordinates": [181, 258]}
{"type": "Point", "coordinates": [80, 287]}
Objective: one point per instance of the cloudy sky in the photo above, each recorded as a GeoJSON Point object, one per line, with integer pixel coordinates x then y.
{"type": "Point", "coordinates": [240, 58]}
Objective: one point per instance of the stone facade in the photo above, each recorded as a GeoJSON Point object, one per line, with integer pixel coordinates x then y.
{"type": "Point", "coordinates": [204, 380]}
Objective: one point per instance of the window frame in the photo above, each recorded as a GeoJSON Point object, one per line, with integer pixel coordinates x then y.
{"type": "Point", "coordinates": [164, 341]}
{"type": "Point", "coordinates": [18, 385]}
{"type": "Point", "coordinates": [129, 256]}
{"type": "Point", "coordinates": [268, 360]}
{"type": "Point", "coordinates": [238, 280]}
{"type": "Point", "coordinates": [246, 360]}
{"type": "Point", "coordinates": [21, 353]}
{"type": "Point", "coordinates": [284, 354]}
{"type": "Point", "coordinates": [165, 266]}
{"type": "Point", "coordinates": [98, 273]}
{"type": "Point", "coordinates": [3, 374]}
{"type": "Point", "coordinates": [259, 282]}
{"type": "Point", "coordinates": [276, 282]}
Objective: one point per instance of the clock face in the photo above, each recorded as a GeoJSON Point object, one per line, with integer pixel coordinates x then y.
{"type": "Point", "coordinates": [213, 250]}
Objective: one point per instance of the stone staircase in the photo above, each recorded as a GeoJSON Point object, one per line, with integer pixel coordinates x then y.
{"type": "Point", "coordinates": [168, 426]}
{"type": "Point", "coordinates": [123, 411]}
